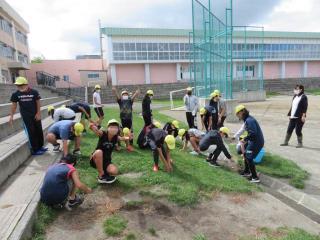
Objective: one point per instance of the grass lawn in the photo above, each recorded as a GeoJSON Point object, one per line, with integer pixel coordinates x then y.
{"type": "Point", "coordinates": [277, 166]}
{"type": "Point", "coordinates": [315, 91]}
{"type": "Point", "coordinates": [191, 179]}
{"type": "Point", "coordinates": [272, 94]}
{"type": "Point", "coordinates": [282, 234]}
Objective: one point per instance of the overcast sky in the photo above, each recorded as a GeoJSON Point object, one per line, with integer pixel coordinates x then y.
{"type": "Point", "coordinates": [62, 29]}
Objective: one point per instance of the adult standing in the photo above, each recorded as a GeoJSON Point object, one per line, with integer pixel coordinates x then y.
{"type": "Point", "coordinates": [191, 103]}
{"type": "Point", "coordinates": [297, 115]}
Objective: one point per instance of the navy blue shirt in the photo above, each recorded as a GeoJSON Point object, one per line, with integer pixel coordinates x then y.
{"type": "Point", "coordinates": [55, 187]}
{"type": "Point", "coordinates": [255, 135]}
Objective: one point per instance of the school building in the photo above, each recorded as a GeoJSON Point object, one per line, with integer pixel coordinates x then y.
{"type": "Point", "coordinates": [14, 49]}
{"type": "Point", "coordinates": [152, 56]}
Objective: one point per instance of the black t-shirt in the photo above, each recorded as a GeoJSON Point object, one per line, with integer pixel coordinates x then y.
{"type": "Point", "coordinates": [170, 130]}
{"type": "Point", "coordinates": [157, 135]}
{"type": "Point", "coordinates": [27, 102]}
{"type": "Point", "coordinates": [146, 110]}
{"type": "Point", "coordinates": [125, 108]}
{"type": "Point", "coordinates": [214, 109]}
{"type": "Point", "coordinates": [76, 109]}
{"type": "Point", "coordinates": [107, 146]}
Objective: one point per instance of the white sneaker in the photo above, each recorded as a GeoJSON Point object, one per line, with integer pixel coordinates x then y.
{"type": "Point", "coordinates": [255, 180]}
{"type": "Point", "coordinates": [194, 153]}
{"type": "Point", "coordinates": [56, 148]}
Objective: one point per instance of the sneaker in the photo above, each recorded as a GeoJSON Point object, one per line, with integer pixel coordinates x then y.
{"type": "Point", "coordinates": [118, 148]}
{"type": "Point", "coordinates": [245, 174]}
{"type": "Point", "coordinates": [106, 179]}
{"type": "Point", "coordinates": [38, 153]}
{"type": "Point", "coordinates": [194, 153]}
{"type": "Point", "coordinates": [254, 180]}
{"type": "Point", "coordinates": [75, 202]}
{"type": "Point", "coordinates": [56, 148]}
{"type": "Point", "coordinates": [130, 148]}
{"type": "Point", "coordinates": [213, 164]}
{"type": "Point", "coordinates": [77, 152]}
{"type": "Point", "coordinates": [155, 168]}
{"type": "Point", "coordinates": [44, 149]}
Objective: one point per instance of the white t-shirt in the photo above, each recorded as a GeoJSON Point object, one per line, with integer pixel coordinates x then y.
{"type": "Point", "coordinates": [98, 100]}
{"type": "Point", "coordinates": [63, 113]}
{"type": "Point", "coordinates": [196, 132]}
{"type": "Point", "coordinates": [295, 104]}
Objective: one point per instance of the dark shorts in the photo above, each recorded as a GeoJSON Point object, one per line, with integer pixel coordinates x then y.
{"type": "Point", "coordinates": [99, 111]}
{"type": "Point", "coordinates": [73, 118]}
{"type": "Point", "coordinates": [106, 162]}
{"type": "Point", "coordinates": [71, 137]}
{"type": "Point", "coordinates": [126, 123]}
{"type": "Point", "coordinates": [85, 116]}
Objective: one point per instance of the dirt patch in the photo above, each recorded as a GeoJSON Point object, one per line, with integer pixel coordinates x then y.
{"type": "Point", "coordinates": [226, 216]}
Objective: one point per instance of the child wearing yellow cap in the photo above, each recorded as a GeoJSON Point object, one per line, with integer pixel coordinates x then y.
{"type": "Point", "coordinates": [101, 158]}
{"type": "Point", "coordinates": [161, 144]}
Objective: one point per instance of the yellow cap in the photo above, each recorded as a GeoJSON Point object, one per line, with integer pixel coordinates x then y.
{"type": "Point", "coordinates": [21, 81]}
{"type": "Point", "coordinates": [112, 121]}
{"type": "Point", "coordinates": [203, 111]}
{"type": "Point", "coordinates": [244, 135]}
{"type": "Point", "coordinates": [126, 131]}
{"type": "Point", "coordinates": [157, 124]}
{"type": "Point", "coordinates": [189, 89]}
{"type": "Point", "coordinates": [124, 92]}
{"type": "Point", "coordinates": [97, 86]}
{"type": "Point", "coordinates": [215, 93]}
{"type": "Point", "coordinates": [181, 132]}
{"type": "Point", "coordinates": [175, 123]}
{"type": "Point", "coordinates": [150, 92]}
{"type": "Point", "coordinates": [225, 130]}
{"type": "Point", "coordinates": [78, 129]}
{"type": "Point", "coordinates": [239, 108]}
{"type": "Point", "coordinates": [50, 108]}
{"type": "Point", "coordinates": [170, 141]}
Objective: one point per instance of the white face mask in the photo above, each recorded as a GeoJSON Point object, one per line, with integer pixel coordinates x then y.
{"type": "Point", "coordinates": [296, 91]}
{"type": "Point", "coordinates": [151, 97]}
{"type": "Point", "coordinates": [98, 91]}
{"type": "Point", "coordinates": [125, 97]}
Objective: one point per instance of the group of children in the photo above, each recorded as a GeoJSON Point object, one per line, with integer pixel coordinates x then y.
{"type": "Point", "coordinates": [62, 181]}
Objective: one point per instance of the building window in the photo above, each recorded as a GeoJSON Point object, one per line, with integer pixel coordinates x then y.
{"type": "Point", "coordinates": [21, 37]}
{"type": "Point", "coordinates": [66, 78]}
{"type": "Point", "coordinates": [6, 51]}
{"type": "Point", "coordinates": [93, 75]}
{"type": "Point", "coordinates": [5, 25]}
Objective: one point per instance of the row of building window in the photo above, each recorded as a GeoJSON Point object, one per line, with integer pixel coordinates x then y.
{"type": "Point", "coordinates": [182, 51]}
{"type": "Point", "coordinates": [8, 52]}
{"type": "Point", "coordinates": [7, 27]}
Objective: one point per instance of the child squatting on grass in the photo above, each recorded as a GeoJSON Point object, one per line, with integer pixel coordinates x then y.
{"type": "Point", "coordinates": [101, 158]}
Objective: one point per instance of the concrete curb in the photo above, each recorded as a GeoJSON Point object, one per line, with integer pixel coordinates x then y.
{"type": "Point", "coordinates": [309, 205]}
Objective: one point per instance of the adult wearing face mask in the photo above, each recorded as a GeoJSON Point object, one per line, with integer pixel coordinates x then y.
{"type": "Point", "coordinates": [191, 103]}
{"type": "Point", "coordinates": [98, 107]}
{"type": "Point", "coordinates": [146, 108]}
{"type": "Point", "coordinates": [29, 104]}
{"type": "Point", "coordinates": [125, 104]}
{"type": "Point", "coordinates": [297, 115]}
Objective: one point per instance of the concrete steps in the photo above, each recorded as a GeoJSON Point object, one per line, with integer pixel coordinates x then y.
{"type": "Point", "coordinates": [7, 130]}
{"type": "Point", "coordinates": [19, 194]}
{"type": "Point", "coordinates": [5, 107]}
